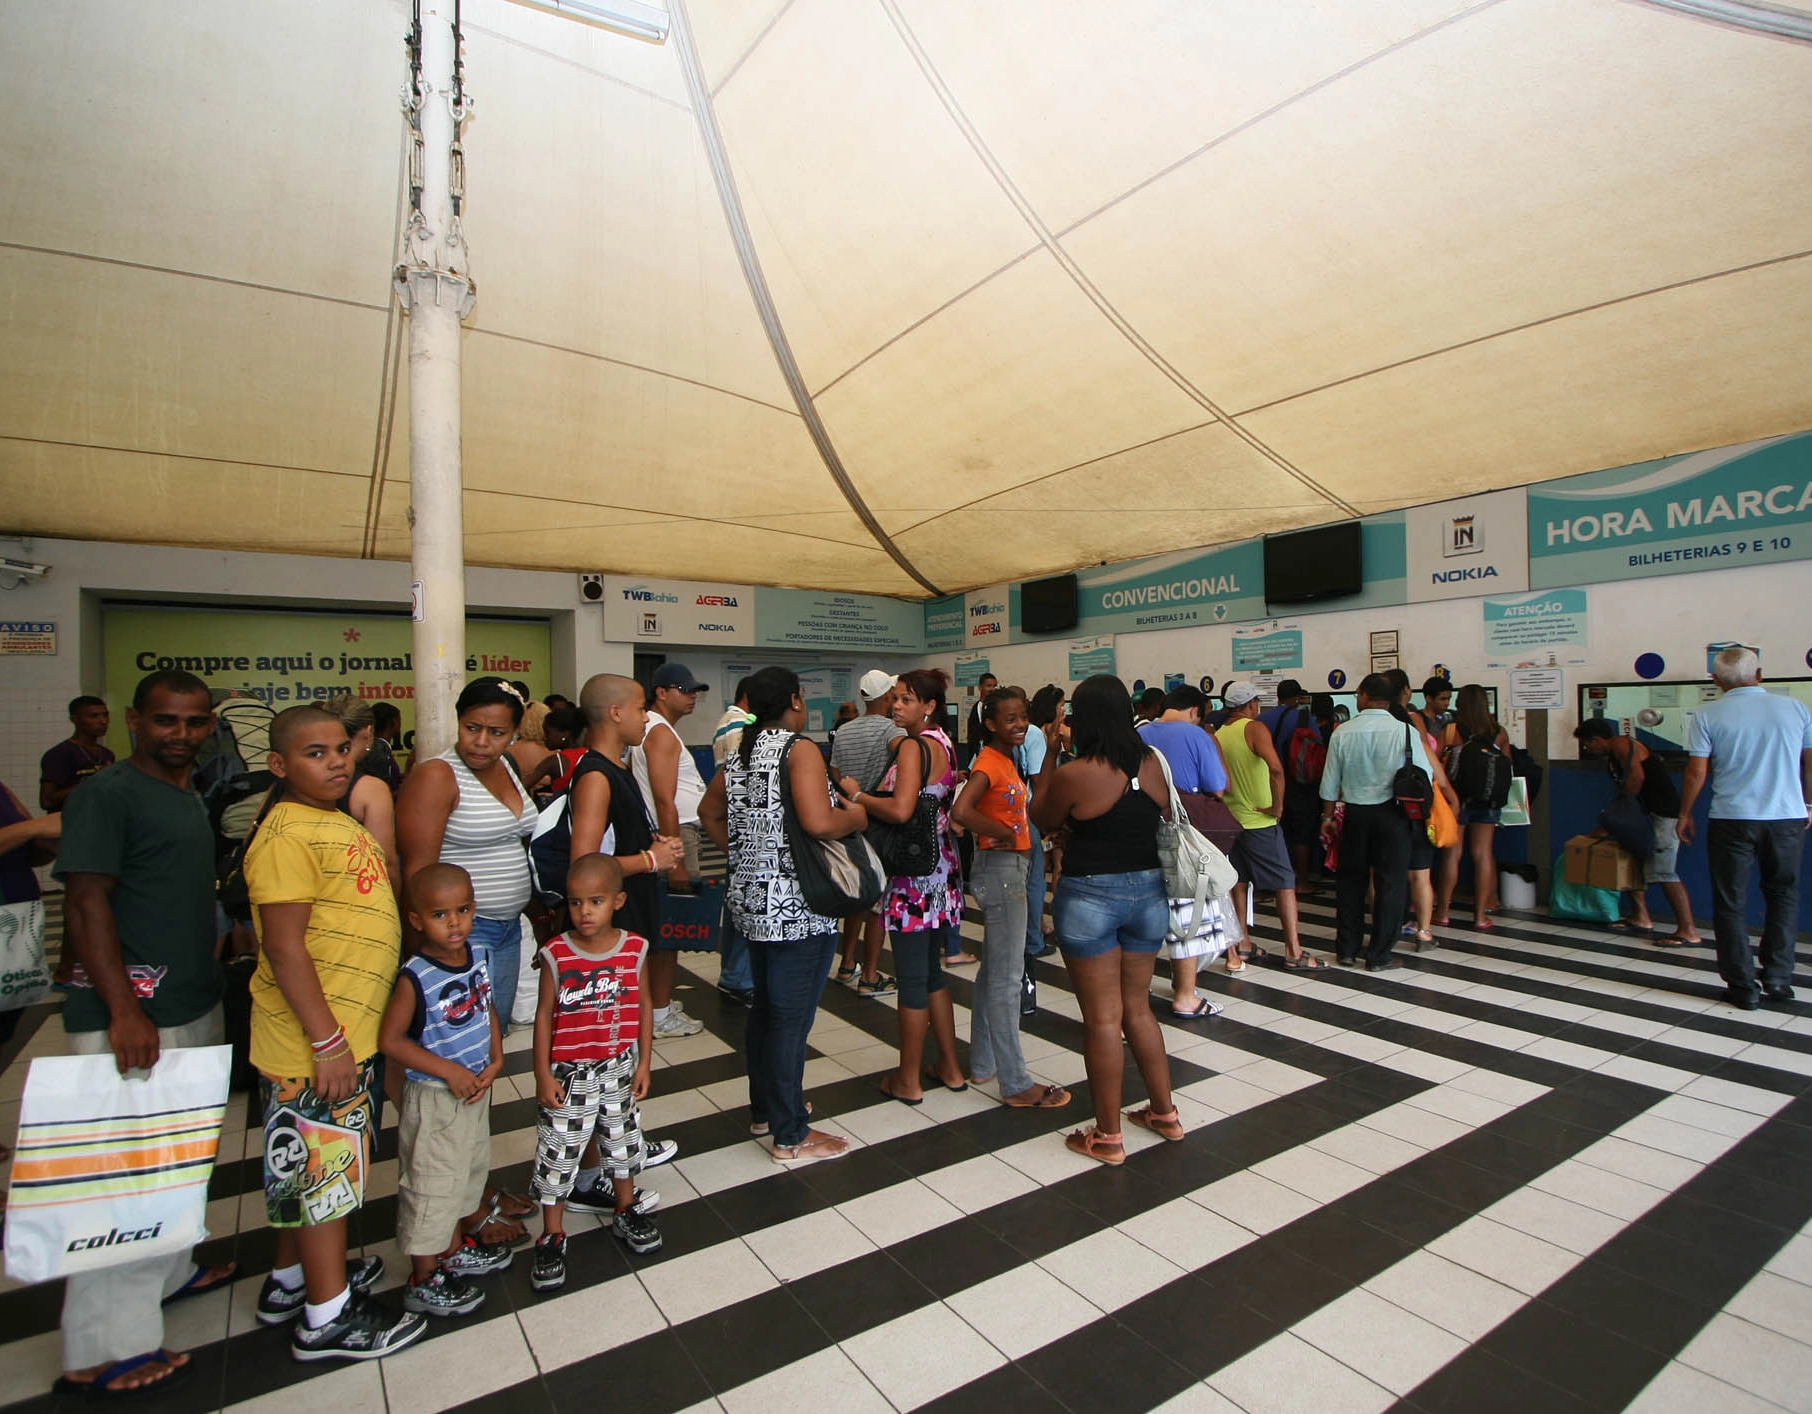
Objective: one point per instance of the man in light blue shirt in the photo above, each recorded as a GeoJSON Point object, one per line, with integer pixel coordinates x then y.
{"type": "Point", "coordinates": [1364, 756]}
{"type": "Point", "coordinates": [1757, 749]}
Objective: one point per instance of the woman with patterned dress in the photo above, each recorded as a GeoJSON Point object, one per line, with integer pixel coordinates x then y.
{"type": "Point", "coordinates": [921, 914]}
{"type": "Point", "coordinates": [790, 947]}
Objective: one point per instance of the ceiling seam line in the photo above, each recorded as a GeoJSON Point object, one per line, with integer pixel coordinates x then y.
{"type": "Point", "coordinates": [754, 44]}
{"type": "Point", "coordinates": [389, 369]}
{"type": "Point", "coordinates": [718, 155]}
{"type": "Point", "coordinates": [570, 63]}
{"type": "Point", "coordinates": [1081, 280]}
{"type": "Point", "coordinates": [190, 275]}
{"type": "Point", "coordinates": [178, 456]}
{"type": "Point", "coordinates": [1531, 324]}
{"type": "Point", "coordinates": [925, 319]}
{"type": "Point", "coordinates": [1277, 108]}
{"type": "Point", "coordinates": [636, 367]}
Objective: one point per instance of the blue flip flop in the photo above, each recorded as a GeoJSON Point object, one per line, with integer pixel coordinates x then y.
{"type": "Point", "coordinates": [96, 1389]}
{"type": "Point", "coordinates": [198, 1284]}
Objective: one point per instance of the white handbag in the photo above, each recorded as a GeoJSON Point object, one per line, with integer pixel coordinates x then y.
{"type": "Point", "coordinates": [1195, 871]}
{"type": "Point", "coordinates": [24, 980]}
{"type": "Point", "coordinates": [110, 1168]}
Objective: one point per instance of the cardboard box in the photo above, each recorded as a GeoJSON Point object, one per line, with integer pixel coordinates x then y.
{"type": "Point", "coordinates": [1601, 863]}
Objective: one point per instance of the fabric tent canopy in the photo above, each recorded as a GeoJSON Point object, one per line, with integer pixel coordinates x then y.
{"type": "Point", "coordinates": [1064, 281]}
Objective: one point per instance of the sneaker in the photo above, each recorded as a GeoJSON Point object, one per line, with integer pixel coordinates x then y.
{"type": "Point", "coordinates": [473, 1258]}
{"type": "Point", "coordinates": [363, 1330]}
{"type": "Point", "coordinates": [676, 1024]}
{"type": "Point", "coordinates": [637, 1232]}
{"type": "Point", "coordinates": [442, 1294]}
{"type": "Point", "coordinates": [277, 1303]}
{"type": "Point", "coordinates": [549, 1271]}
{"type": "Point", "coordinates": [882, 986]}
{"type": "Point", "coordinates": [602, 1198]}
{"type": "Point", "coordinates": [1028, 995]}
{"type": "Point", "coordinates": [658, 1152]}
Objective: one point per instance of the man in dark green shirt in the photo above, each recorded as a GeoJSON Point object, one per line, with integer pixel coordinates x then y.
{"type": "Point", "coordinates": [137, 860]}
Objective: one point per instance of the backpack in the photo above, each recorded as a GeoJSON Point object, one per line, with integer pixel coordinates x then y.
{"type": "Point", "coordinates": [1306, 756]}
{"type": "Point", "coordinates": [231, 774]}
{"type": "Point", "coordinates": [1531, 770]}
{"type": "Point", "coordinates": [1413, 791]}
{"type": "Point", "coordinates": [550, 848]}
{"type": "Point", "coordinates": [1481, 773]}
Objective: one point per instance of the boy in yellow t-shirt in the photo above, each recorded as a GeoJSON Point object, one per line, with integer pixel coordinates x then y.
{"type": "Point", "coordinates": [330, 942]}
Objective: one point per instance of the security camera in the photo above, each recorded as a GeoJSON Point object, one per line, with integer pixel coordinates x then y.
{"type": "Point", "coordinates": [25, 569]}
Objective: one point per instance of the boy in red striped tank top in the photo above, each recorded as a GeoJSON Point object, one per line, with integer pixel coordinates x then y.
{"type": "Point", "coordinates": [593, 1028]}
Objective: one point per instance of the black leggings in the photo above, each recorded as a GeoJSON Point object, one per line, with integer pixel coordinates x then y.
{"type": "Point", "coordinates": [918, 959]}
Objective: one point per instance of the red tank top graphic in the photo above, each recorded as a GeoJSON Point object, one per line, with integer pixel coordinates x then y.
{"type": "Point", "coordinates": [597, 1000]}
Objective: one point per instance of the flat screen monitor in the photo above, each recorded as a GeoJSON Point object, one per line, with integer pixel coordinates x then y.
{"type": "Point", "coordinates": [1305, 565]}
{"type": "Point", "coordinates": [1048, 605]}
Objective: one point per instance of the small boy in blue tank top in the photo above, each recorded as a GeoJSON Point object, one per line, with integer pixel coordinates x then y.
{"type": "Point", "coordinates": [442, 1027]}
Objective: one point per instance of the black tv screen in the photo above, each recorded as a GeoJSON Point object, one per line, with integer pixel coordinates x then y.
{"type": "Point", "coordinates": [1323, 563]}
{"type": "Point", "coordinates": [1048, 605]}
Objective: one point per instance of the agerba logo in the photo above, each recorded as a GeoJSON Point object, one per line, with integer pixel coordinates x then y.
{"type": "Point", "coordinates": [982, 611]}
{"type": "Point", "coordinates": [642, 594]}
{"type": "Point", "coordinates": [980, 629]}
{"type": "Point", "coordinates": [718, 601]}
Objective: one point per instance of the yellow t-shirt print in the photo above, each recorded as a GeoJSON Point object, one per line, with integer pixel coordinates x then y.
{"type": "Point", "coordinates": [326, 859]}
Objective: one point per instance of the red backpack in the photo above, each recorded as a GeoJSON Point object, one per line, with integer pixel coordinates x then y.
{"type": "Point", "coordinates": [1307, 755]}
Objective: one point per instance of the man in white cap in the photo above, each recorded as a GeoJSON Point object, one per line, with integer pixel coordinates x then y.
{"type": "Point", "coordinates": [863, 750]}
{"type": "Point", "coordinates": [672, 786]}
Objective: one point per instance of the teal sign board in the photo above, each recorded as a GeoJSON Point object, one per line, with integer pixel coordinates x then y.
{"type": "Point", "coordinates": [969, 671]}
{"type": "Point", "coordinates": [944, 624]}
{"type": "Point", "coordinates": [1184, 590]}
{"type": "Point", "coordinates": [1744, 505]}
{"type": "Point", "coordinates": [1090, 657]}
{"type": "Point", "coordinates": [1267, 652]}
{"type": "Point", "coordinates": [1535, 629]}
{"type": "Point", "coordinates": [805, 618]}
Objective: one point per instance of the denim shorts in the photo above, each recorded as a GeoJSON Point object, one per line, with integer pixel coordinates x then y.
{"type": "Point", "coordinates": [1096, 913]}
{"type": "Point", "coordinates": [1479, 815]}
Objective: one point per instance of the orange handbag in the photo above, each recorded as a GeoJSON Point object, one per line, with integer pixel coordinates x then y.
{"type": "Point", "coordinates": [1443, 824]}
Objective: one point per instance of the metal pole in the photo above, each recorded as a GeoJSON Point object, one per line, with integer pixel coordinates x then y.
{"type": "Point", "coordinates": [435, 287]}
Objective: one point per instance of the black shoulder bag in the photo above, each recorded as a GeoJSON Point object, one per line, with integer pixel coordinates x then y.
{"type": "Point", "coordinates": [837, 878]}
{"type": "Point", "coordinates": [909, 850]}
{"type": "Point", "coordinates": [1411, 786]}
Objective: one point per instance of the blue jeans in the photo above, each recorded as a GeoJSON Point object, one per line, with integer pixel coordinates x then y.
{"type": "Point", "coordinates": [918, 961]}
{"type": "Point", "coordinates": [1035, 894]}
{"type": "Point", "coordinates": [994, 1014]}
{"type": "Point", "coordinates": [789, 978]}
{"type": "Point", "coordinates": [736, 972]}
{"type": "Point", "coordinates": [1097, 913]}
{"type": "Point", "coordinates": [499, 942]}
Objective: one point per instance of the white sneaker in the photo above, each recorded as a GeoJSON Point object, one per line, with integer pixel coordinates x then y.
{"type": "Point", "coordinates": [676, 1024]}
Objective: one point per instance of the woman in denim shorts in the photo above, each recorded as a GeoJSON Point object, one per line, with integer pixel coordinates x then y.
{"type": "Point", "coordinates": [1111, 909]}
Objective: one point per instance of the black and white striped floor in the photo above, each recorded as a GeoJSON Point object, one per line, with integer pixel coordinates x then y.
{"type": "Point", "coordinates": [1538, 1169]}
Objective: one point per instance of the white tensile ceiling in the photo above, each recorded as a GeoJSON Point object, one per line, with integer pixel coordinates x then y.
{"type": "Point", "coordinates": [1065, 281]}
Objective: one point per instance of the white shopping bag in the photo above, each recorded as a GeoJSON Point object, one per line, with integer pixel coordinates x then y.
{"type": "Point", "coordinates": [110, 1169]}
{"type": "Point", "coordinates": [528, 978]}
{"type": "Point", "coordinates": [23, 979]}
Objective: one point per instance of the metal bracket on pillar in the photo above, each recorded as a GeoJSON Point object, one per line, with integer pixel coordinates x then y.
{"type": "Point", "coordinates": [439, 287]}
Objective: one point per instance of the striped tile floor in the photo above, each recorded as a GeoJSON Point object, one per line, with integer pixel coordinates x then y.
{"type": "Point", "coordinates": [1540, 1168]}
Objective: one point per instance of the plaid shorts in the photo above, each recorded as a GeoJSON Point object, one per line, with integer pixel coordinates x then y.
{"type": "Point", "coordinates": [316, 1153]}
{"type": "Point", "coordinates": [599, 1095]}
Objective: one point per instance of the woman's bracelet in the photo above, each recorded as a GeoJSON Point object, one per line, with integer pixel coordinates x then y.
{"type": "Point", "coordinates": [648, 859]}
{"type": "Point", "coordinates": [320, 1048]}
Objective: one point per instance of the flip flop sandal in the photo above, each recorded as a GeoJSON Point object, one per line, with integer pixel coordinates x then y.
{"type": "Point", "coordinates": [1093, 1144]}
{"type": "Point", "coordinates": [495, 1216]}
{"type": "Point", "coordinates": [812, 1152]}
{"type": "Point", "coordinates": [1203, 1008]}
{"type": "Point", "coordinates": [201, 1281]}
{"type": "Point", "coordinates": [931, 1080]}
{"type": "Point", "coordinates": [1672, 941]}
{"type": "Point", "coordinates": [1235, 963]}
{"type": "Point", "coordinates": [516, 1205]}
{"type": "Point", "coordinates": [886, 1088]}
{"type": "Point", "coordinates": [1626, 928]}
{"type": "Point", "coordinates": [96, 1389]}
{"type": "Point", "coordinates": [1170, 1129]}
{"type": "Point", "coordinates": [1302, 962]}
{"type": "Point", "coordinates": [1047, 1097]}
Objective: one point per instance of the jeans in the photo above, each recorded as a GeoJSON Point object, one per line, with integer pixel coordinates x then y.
{"type": "Point", "coordinates": [1035, 894]}
{"type": "Point", "coordinates": [1775, 846]}
{"type": "Point", "coordinates": [499, 942]}
{"type": "Point", "coordinates": [1374, 845]}
{"type": "Point", "coordinates": [1000, 888]}
{"type": "Point", "coordinates": [117, 1312]}
{"type": "Point", "coordinates": [735, 972]}
{"type": "Point", "coordinates": [1098, 913]}
{"type": "Point", "coordinates": [789, 978]}
{"type": "Point", "coordinates": [918, 959]}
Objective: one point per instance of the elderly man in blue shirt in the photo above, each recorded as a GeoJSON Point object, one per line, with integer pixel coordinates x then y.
{"type": "Point", "coordinates": [1757, 749]}
{"type": "Point", "coordinates": [1364, 756]}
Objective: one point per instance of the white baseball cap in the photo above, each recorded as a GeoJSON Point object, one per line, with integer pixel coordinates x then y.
{"type": "Point", "coordinates": [1238, 694]}
{"type": "Point", "coordinates": [875, 685]}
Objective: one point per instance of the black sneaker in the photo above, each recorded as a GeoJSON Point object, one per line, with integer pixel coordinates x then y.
{"type": "Point", "coordinates": [601, 1198]}
{"type": "Point", "coordinates": [473, 1258]}
{"type": "Point", "coordinates": [442, 1294]}
{"type": "Point", "coordinates": [1028, 995]}
{"type": "Point", "coordinates": [742, 996]}
{"type": "Point", "coordinates": [637, 1232]}
{"type": "Point", "coordinates": [277, 1303]}
{"type": "Point", "coordinates": [658, 1152]}
{"type": "Point", "coordinates": [549, 1271]}
{"type": "Point", "coordinates": [363, 1330]}
{"type": "Point", "coordinates": [1779, 994]}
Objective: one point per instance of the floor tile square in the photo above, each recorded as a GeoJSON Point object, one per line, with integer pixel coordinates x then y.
{"type": "Point", "coordinates": [978, 1183]}
{"type": "Point", "coordinates": [831, 1377]}
{"type": "Point", "coordinates": [897, 1212]}
{"type": "Point", "coordinates": [794, 1249]}
{"type": "Point", "coordinates": [1287, 1375]}
{"type": "Point", "coordinates": [689, 1286]}
{"type": "Point", "coordinates": [1181, 1231]}
{"type": "Point", "coordinates": [1505, 1255]}
{"type": "Point", "coordinates": [493, 1355]}
{"type": "Point", "coordinates": [1023, 1309]}
{"type": "Point", "coordinates": [1110, 1269]}
{"type": "Point", "coordinates": [562, 1329]}
{"type": "Point", "coordinates": [1253, 1202]}
{"type": "Point", "coordinates": [915, 1358]}
{"type": "Point", "coordinates": [1383, 1342]}
{"type": "Point", "coordinates": [1680, 1389]}
{"type": "Point", "coordinates": [1453, 1297]}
